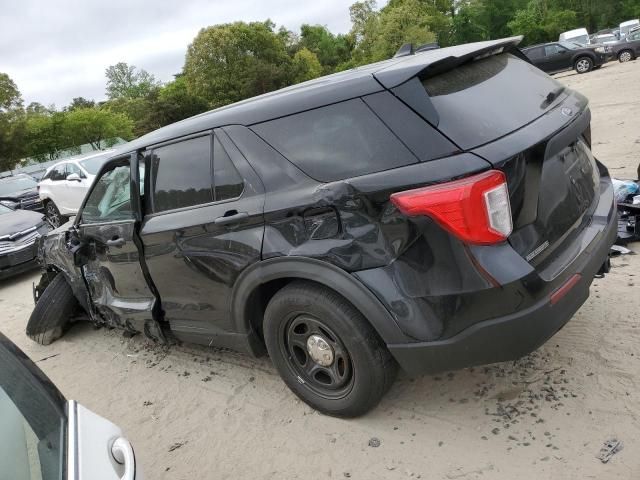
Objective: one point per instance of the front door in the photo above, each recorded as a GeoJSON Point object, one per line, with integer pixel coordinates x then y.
{"type": "Point", "coordinates": [556, 58]}
{"type": "Point", "coordinates": [107, 225]}
{"type": "Point", "coordinates": [203, 227]}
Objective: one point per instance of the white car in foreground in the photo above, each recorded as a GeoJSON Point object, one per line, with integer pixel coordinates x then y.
{"type": "Point", "coordinates": [43, 436]}
{"type": "Point", "coordinates": [65, 184]}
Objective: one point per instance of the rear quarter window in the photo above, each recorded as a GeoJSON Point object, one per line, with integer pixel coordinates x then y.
{"type": "Point", "coordinates": [336, 142]}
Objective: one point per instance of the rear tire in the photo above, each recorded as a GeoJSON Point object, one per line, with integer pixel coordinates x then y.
{"type": "Point", "coordinates": [53, 214]}
{"type": "Point", "coordinates": [50, 317]}
{"type": "Point", "coordinates": [361, 369]}
{"type": "Point", "coordinates": [626, 56]}
{"type": "Point", "coordinates": [584, 65]}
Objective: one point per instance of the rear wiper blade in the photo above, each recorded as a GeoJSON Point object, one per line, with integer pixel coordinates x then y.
{"type": "Point", "coordinates": [552, 97]}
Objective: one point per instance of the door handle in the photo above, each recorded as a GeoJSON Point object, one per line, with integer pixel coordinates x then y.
{"type": "Point", "coordinates": [122, 452]}
{"type": "Point", "coordinates": [116, 242]}
{"type": "Point", "coordinates": [231, 217]}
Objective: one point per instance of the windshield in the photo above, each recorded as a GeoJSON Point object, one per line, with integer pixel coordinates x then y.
{"type": "Point", "coordinates": [12, 185]}
{"type": "Point", "coordinates": [93, 164]}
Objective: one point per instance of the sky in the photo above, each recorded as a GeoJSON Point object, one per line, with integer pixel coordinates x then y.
{"type": "Point", "coordinates": [56, 50]}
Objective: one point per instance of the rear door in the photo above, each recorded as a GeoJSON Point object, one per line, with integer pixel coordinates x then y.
{"type": "Point", "coordinates": [119, 289]}
{"type": "Point", "coordinates": [204, 225]}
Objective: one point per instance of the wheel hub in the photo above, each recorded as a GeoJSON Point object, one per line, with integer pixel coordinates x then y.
{"type": "Point", "coordinates": [320, 351]}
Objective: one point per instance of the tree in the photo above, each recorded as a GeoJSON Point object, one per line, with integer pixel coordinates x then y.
{"type": "Point", "coordinates": [99, 128]}
{"type": "Point", "coordinates": [330, 50]}
{"type": "Point", "coordinates": [231, 62]}
{"type": "Point", "coordinates": [80, 102]}
{"type": "Point", "coordinates": [306, 66]}
{"type": "Point", "coordinates": [10, 97]}
{"type": "Point", "coordinates": [46, 135]}
{"type": "Point", "coordinates": [126, 81]}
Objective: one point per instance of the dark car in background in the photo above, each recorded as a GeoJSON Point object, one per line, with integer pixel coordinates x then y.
{"type": "Point", "coordinates": [19, 230]}
{"type": "Point", "coordinates": [20, 192]}
{"type": "Point", "coordinates": [629, 48]}
{"type": "Point", "coordinates": [433, 211]}
{"type": "Point", "coordinates": [558, 57]}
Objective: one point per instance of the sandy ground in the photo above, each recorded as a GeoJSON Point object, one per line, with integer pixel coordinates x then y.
{"type": "Point", "coordinates": [196, 413]}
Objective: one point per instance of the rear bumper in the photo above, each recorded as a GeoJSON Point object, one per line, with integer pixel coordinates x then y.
{"type": "Point", "coordinates": [512, 336]}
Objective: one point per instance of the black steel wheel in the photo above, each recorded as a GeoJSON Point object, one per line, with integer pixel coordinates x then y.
{"type": "Point", "coordinates": [326, 351]}
{"type": "Point", "coordinates": [317, 356]}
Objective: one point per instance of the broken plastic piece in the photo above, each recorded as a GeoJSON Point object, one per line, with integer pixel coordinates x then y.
{"type": "Point", "coordinates": [609, 449]}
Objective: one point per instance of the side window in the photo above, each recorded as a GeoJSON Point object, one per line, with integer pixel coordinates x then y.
{"type": "Point", "coordinates": [226, 179]}
{"type": "Point", "coordinates": [181, 174]}
{"type": "Point", "coordinates": [58, 173]}
{"type": "Point", "coordinates": [336, 142]}
{"type": "Point", "coordinates": [635, 36]}
{"type": "Point", "coordinates": [73, 168]}
{"type": "Point", "coordinates": [535, 53]}
{"type": "Point", "coordinates": [552, 49]}
{"type": "Point", "coordinates": [110, 198]}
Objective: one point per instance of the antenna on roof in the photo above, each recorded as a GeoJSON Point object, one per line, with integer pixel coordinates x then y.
{"type": "Point", "coordinates": [408, 49]}
{"type": "Point", "coordinates": [405, 50]}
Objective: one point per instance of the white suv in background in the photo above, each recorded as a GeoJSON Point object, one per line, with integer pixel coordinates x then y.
{"type": "Point", "coordinates": [64, 185]}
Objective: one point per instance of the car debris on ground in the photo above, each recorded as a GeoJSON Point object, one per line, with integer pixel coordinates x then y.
{"type": "Point", "coordinates": [609, 449]}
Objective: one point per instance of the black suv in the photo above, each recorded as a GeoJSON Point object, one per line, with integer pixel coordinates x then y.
{"type": "Point", "coordinates": [433, 211]}
{"type": "Point", "coordinates": [561, 56]}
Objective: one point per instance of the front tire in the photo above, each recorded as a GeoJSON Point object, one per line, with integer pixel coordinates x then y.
{"type": "Point", "coordinates": [584, 65]}
{"type": "Point", "coordinates": [50, 317]}
{"type": "Point", "coordinates": [53, 214]}
{"type": "Point", "coordinates": [625, 56]}
{"type": "Point", "coordinates": [326, 351]}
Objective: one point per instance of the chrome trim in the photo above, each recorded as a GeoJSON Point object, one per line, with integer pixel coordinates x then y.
{"type": "Point", "coordinates": [72, 441]}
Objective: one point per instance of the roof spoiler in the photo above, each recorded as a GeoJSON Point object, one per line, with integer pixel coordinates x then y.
{"type": "Point", "coordinates": [440, 60]}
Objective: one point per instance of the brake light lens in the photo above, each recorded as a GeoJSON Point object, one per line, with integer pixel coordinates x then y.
{"type": "Point", "coordinates": [475, 209]}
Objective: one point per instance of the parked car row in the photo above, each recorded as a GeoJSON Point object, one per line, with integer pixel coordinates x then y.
{"type": "Point", "coordinates": [29, 209]}
{"type": "Point", "coordinates": [555, 57]}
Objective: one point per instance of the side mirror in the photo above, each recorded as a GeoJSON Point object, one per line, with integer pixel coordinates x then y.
{"type": "Point", "coordinates": [74, 177]}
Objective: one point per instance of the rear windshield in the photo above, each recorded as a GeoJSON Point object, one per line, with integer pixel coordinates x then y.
{"type": "Point", "coordinates": [486, 99]}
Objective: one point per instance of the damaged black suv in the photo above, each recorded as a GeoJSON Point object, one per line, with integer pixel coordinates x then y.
{"type": "Point", "coordinates": [432, 212]}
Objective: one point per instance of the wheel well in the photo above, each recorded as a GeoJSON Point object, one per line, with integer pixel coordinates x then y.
{"type": "Point", "coordinates": [257, 301]}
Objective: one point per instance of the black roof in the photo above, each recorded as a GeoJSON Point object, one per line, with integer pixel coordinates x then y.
{"type": "Point", "coordinates": [322, 91]}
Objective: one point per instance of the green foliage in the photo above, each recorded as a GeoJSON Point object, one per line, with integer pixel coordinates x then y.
{"type": "Point", "coordinates": [330, 50]}
{"type": "Point", "coordinates": [126, 81]}
{"type": "Point", "coordinates": [230, 62]}
{"type": "Point", "coordinates": [80, 102]}
{"type": "Point", "coordinates": [10, 97]}
{"type": "Point", "coordinates": [100, 128]}
{"type": "Point", "coordinates": [305, 66]}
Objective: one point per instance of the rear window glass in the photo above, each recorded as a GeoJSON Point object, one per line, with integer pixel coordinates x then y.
{"type": "Point", "coordinates": [486, 99]}
{"type": "Point", "coordinates": [182, 174]}
{"type": "Point", "coordinates": [336, 142]}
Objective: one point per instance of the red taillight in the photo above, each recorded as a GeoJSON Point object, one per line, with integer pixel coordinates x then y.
{"type": "Point", "coordinates": [562, 292]}
{"type": "Point", "coordinates": [475, 209]}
